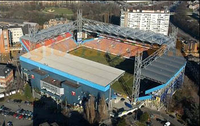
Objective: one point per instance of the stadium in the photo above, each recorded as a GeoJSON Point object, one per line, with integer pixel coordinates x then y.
{"type": "Point", "coordinates": [85, 57]}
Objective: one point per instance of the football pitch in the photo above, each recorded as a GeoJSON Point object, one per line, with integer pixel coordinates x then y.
{"type": "Point", "coordinates": [111, 60]}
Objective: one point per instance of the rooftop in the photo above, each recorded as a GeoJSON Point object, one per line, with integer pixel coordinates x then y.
{"type": "Point", "coordinates": [71, 84]}
{"type": "Point", "coordinates": [52, 81]}
{"type": "Point", "coordinates": [4, 70]}
{"type": "Point", "coordinates": [165, 67]}
{"type": "Point", "coordinates": [38, 71]}
{"type": "Point", "coordinates": [73, 65]}
{"type": "Point", "coordinates": [147, 11]}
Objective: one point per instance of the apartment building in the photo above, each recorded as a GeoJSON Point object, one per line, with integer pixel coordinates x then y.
{"type": "Point", "coordinates": [4, 41]}
{"type": "Point", "coordinates": [6, 76]}
{"type": "Point", "coordinates": [16, 33]}
{"type": "Point", "coordinates": [156, 21]}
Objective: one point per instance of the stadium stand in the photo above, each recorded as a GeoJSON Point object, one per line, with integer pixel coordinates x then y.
{"type": "Point", "coordinates": [47, 42]}
{"type": "Point", "coordinates": [65, 45]}
{"type": "Point", "coordinates": [114, 47]}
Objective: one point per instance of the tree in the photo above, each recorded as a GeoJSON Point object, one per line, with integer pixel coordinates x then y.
{"type": "Point", "coordinates": [27, 91]}
{"type": "Point", "coordinates": [144, 117]}
{"type": "Point", "coordinates": [102, 109]}
{"type": "Point", "coordinates": [122, 122]}
{"type": "Point", "coordinates": [191, 114]}
{"type": "Point", "coordinates": [90, 110]}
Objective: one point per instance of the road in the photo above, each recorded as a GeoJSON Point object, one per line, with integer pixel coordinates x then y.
{"type": "Point", "coordinates": [168, 118]}
{"type": "Point", "coordinates": [131, 120]}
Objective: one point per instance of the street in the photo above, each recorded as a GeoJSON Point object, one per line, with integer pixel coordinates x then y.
{"type": "Point", "coordinates": [167, 117]}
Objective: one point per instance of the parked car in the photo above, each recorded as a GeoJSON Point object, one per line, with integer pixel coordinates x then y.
{"type": "Point", "coordinates": [30, 118]}
{"type": "Point", "coordinates": [17, 100]}
{"type": "Point", "coordinates": [20, 111]}
{"type": "Point", "coordinates": [167, 124]}
{"type": "Point", "coordinates": [128, 105]}
{"type": "Point", "coordinates": [26, 117]}
{"type": "Point", "coordinates": [29, 114]}
{"type": "Point", "coordinates": [9, 123]}
{"type": "Point", "coordinates": [20, 117]}
{"type": "Point", "coordinates": [28, 102]}
{"type": "Point", "coordinates": [5, 113]}
{"type": "Point", "coordinates": [23, 112]}
{"type": "Point", "coordinates": [11, 113]}
{"type": "Point", "coordinates": [15, 115]}
{"type": "Point", "coordinates": [122, 99]}
{"type": "Point", "coordinates": [2, 107]}
{"type": "Point", "coordinates": [26, 112]}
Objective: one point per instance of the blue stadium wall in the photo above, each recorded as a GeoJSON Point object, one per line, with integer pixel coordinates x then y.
{"type": "Point", "coordinates": [81, 92]}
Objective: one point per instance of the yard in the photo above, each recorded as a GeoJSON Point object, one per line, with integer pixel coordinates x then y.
{"type": "Point", "coordinates": [58, 11]}
{"type": "Point", "coordinates": [117, 62]}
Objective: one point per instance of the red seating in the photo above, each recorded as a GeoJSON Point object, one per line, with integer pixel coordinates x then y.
{"type": "Point", "coordinates": [114, 47]}
{"type": "Point", "coordinates": [50, 41]}
{"type": "Point", "coordinates": [38, 45]}
{"type": "Point", "coordinates": [59, 38]}
{"type": "Point", "coordinates": [64, 46]}
{"type": "Point", "coordinates": [68, 34]}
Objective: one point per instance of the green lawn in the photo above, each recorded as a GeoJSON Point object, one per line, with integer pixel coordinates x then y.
{"type": "Point", "coordinates": [26, 96]}
{"type": "Point", "coordinates": [58, 11]}
{"type": "Point", "coordinates": [120, 63]}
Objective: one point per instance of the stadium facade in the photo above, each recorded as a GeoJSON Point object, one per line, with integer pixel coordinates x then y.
{"type": "Point", "coordinates": [61, 76]}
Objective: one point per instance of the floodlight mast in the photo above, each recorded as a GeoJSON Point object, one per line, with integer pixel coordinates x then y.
{"type": "Point", "coordinates": [136, 77]}
{"type": "Point", "coordinates": [80, 26]}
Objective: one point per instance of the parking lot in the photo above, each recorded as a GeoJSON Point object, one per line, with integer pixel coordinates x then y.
{"type": "Point", "coordinates": [12, 113]}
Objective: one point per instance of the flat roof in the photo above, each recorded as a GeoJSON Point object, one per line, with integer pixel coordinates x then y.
{"type": "Point", "coordinates": [82, 68]}
{"type": "Point", "coordinates": [38, 71]}
{"type": "Point", "coordinates": [165, 67]}
{"type": "Point", "coordinates": [4, 70]}
{"type": "Point", "coordinates": [52, 81]}
{"type": "Point", "coordinates": [71, 84]}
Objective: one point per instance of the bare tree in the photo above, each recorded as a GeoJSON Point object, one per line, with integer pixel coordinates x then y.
{"type": "Point", "coordinates": [102, 109]}
{"type": "Point", "coordinates": [90, 110]}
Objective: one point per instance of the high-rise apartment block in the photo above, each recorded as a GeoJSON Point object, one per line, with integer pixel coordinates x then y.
{"type": "Point", "coordinates": [156, 21]}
